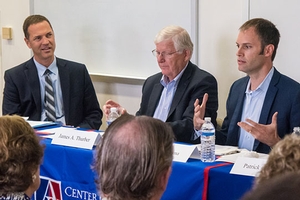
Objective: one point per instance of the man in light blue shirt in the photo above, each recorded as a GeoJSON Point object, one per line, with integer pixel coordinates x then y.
{"type": "Point", "coordinates": [170, 94]}
{"type": "Point", "coordinates": [256, 101]}
{"type": "Point", "coordinates": [75, 99]}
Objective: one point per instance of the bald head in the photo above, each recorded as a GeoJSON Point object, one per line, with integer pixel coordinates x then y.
{"type": "Point", "coordinates": [133, 154]}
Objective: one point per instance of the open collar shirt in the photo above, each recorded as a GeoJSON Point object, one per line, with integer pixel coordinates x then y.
{"type": "Point", "coordinates": [253, 104]}
{"type": "Point", "coordinates": [167, 95]}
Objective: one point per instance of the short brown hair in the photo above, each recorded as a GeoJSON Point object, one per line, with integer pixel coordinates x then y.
{"type": "Point", "coordinates": [266, 31]}
{"type": "Point", "coordinates": [20, 154]}
{"type": "Point", "coordinates": [133, 154]}
{"type": "Point", "coordinates": [33, 19]}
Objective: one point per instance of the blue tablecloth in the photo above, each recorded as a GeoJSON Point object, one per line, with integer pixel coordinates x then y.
{"type": "Point", "coordinates": [187, 181]}
{"type": "Point", "coordinates": [66, 174]}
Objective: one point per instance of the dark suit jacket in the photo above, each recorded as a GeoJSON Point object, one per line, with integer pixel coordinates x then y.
{"type": "Point", "coordinates": [283, 96]}
{"type": "Point", "coordinates": [192, 85]}
{"type": "Point", "coordinates": [22, 94]}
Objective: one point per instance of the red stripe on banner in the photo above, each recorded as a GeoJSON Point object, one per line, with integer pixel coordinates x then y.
{"type": "Point", "coordinates": [206, 173]}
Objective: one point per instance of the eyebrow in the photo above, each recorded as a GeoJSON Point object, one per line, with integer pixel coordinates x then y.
{"type": "Point", "coordinates": [245, 43]}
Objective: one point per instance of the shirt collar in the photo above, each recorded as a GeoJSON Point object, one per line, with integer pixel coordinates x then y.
{"type": "Point", "coordinates": [165, 80]}
{"type": "Point", "coordinates": [41, 68]}
{"type": "Point", "coordinates": [264, 85]}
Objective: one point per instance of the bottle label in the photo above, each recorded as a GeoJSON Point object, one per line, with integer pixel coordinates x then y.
{"type": "Point", "coordinates": [204, 133]}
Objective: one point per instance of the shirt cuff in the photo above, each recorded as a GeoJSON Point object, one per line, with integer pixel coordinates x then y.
{"type": "Point", "coordinates": [196, 135]}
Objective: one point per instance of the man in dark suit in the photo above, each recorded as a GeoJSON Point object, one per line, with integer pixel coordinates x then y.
{"type": "Point", "coordinates": [75, 100]}
{"type": "Point", "coordinates": [170, 94]}
{"type": "Point", "coordinates": [263, 106]}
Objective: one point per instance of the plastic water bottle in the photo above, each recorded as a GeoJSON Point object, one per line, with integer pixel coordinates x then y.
{"type": "Point", "coordinates": [296, 131]}
{"type": "Point", "coordinates": [207, 141]}
{"type": "Point", "coordinates": [112, 115]}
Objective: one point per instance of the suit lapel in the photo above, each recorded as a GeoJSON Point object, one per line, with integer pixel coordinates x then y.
{"type": "Point", "coordinates": [268, 102]}
{"type": "Point", "coordinates": [181, 88]}
{"type": "Point", "coordinates": [154, 98]}
{"type": "Point", "coordinates": [34, 83]}
{"type": "Point", "coordinates": [64, 77]}
{"type": "Point", "coordinates": [270, 96]}
{"type": "Point", "coordinates": [236, 116]}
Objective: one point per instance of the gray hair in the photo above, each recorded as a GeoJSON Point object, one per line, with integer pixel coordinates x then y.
{"type": "Point", "coordinates": [179, 36]}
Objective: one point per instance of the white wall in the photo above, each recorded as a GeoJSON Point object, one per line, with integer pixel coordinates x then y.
{"type": "Point", "coordinates": [219, 22]}
{"type": "Point", "coordinates": [119, 90]}
{"type": "Point", "coordinates": [288, 23]}
{"type": "Point", "coordinates": [15, 51]}
{"type": "Point", "coordinates": [218, 28]}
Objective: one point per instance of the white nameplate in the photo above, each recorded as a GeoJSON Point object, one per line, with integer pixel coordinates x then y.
{"type": "Point", "coordinates": [183, 152]}
{"type": "Point", "coordinates": [248, 166]}
{"type": "Point", "coordinates": [75, 138]}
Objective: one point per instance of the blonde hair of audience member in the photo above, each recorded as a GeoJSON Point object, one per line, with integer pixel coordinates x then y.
{"type": "Point", "coordinates": [20, 158]}
{"type": "Point", "coordinates": [134, 158]}
{"type": "Point", "coordinates": [179, 36]}
{"type": "Point", "coordinates": [283, 158]}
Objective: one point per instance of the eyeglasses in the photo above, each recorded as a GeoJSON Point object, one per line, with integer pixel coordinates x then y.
{"type": "Point", "coordinates": [163, 54]}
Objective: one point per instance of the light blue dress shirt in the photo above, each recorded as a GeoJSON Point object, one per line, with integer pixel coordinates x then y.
{"type": "Point", "coordinates": [59, 107]}
{"type": "Point", "coordinates": [252, 109]}
{"type": "Point", "coordinates": [167, 95]}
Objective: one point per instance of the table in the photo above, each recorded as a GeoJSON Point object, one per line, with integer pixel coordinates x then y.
{"type": "Point", "coordinates": [194, 179]}
{"type": "Point", "coordinates": [66, 174]}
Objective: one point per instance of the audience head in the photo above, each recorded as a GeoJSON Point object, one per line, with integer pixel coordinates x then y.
{"type": "Point", "coordinates": [20, 156]}
{"type": "Point", "coordinates": [134, 158]}
{"type": "Point", "coordinates": [283, 158]}
{"type": "Point", "coordinates": [173, 51]}
{"type": "Point", "coordinates": [266, 31]}
{"type": "Point", "coordinates": [285, 186]}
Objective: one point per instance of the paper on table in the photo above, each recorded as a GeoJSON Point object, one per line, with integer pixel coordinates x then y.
{"type": "Point", "coordinates": [231, 153]}
{"type": "Point", "coordinates": [243, 153]}
{"type": "Point", "coordinates": [38, 124]}
{"type": "Point", "coordinates": [223, 150]}
{"type": "Point", "coordinates": [50, 131]}
{"type": "Point", "coordinates": [44, 133]}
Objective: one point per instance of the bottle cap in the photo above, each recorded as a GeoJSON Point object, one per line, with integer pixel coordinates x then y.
{"type": "Point", "coordinates": [207, 119]}
{"type": "Point", "coordinates": [297, 129]}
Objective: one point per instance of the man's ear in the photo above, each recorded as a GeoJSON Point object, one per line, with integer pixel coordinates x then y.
{"type": "Point", "coordinates": [27, 42]}
{"type": "Point", "coordinates": [269, 49]}
{"type": "Point", "coordinates": [187, 54]}
{"type": "Point", "coordinates": [165, 178]}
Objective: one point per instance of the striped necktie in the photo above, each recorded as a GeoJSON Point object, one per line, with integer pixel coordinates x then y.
{"type": "Point", "coordinates": [49, 98]}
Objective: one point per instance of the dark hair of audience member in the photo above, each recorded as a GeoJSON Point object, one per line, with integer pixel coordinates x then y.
{"type": "Point", "coordinates": [285, 186]}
